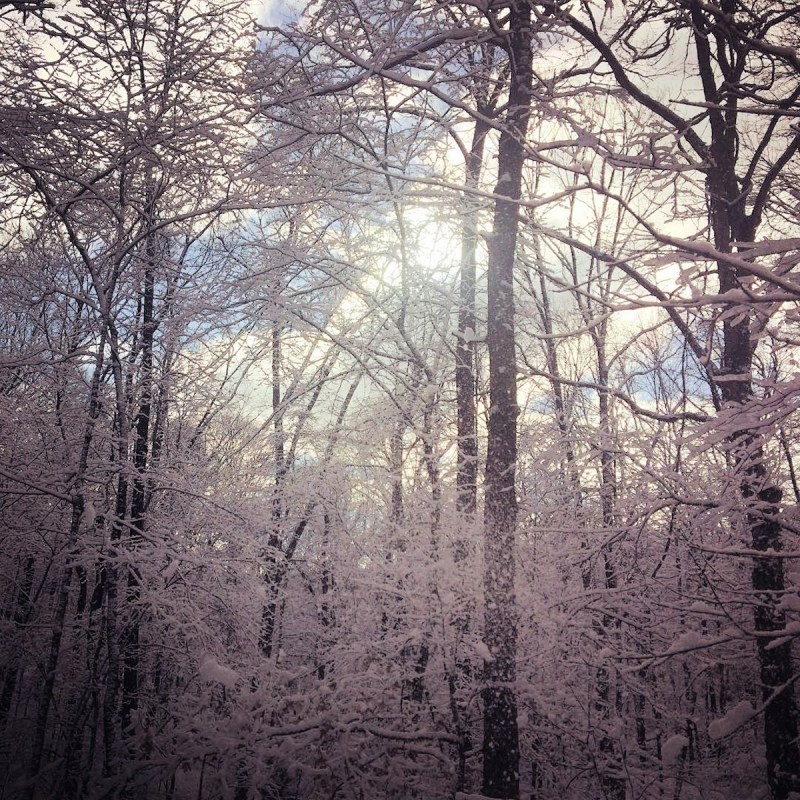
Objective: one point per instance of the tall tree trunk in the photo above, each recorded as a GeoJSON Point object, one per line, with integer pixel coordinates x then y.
{"type": "Point", "coordinates": [325, 612]}
{"type": "Point", "coordinates": [611, 780]}
{"type": "Point", "coordinates": [467, 429]}
{"type": "Point", "coordinates": [500, 731]}
{"type": "Point", "coordinates": [467, 476]}
{"type": "Point", "coordinates": [21, 616]}
{"type": "Point", "coordinates": [731, 223]}
{"type": "Point", "coordinates": [129, 642]}
{"type": "Point", "coordinates": [275, 568]}
{"type": "Point", "coordinates": [764, 500]}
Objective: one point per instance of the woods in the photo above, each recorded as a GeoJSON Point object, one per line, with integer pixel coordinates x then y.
{"type": "Point", "coordinates": [399, 400]}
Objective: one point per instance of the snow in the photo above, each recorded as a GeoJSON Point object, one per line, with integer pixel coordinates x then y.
{"type": "Point", "coordinates": [790, 602]}
{"type": "Point", "coordinates": [738, 716]}
{"type": "Point", "coordinates": [700, 607]}
{"type": "Point", "coordinates": [212, 671]}
{"type": "Point", "coordinates": [672, 749]}
{"type": "Point", "coordinates": [170, 569]}
{"type": "Point", "coordinates": [464, 796]}
{"type": "Point", "coordinates": [691, 640]}
{"type": "Point", "coordinates": [793, 577]}
{"type": "Point", "coordinates": [482, 649]}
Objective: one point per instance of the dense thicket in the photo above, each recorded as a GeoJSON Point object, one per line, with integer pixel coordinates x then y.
{"type": "Point", "coordinates": [399, 401]}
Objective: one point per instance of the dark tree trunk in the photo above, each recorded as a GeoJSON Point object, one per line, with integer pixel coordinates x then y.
{"type": "Point", "coordinates": [731, 223]}
{"type": "Point", "coordinates": [129, 640]}
{"type": "Point", "coordinates": [54, 652]}
{"type": "Point", "coordinates": [21, 617]}
{"type": "Point", "coordinates": [500, 730]}
{"type": "Point", "coordinates": [274, 557]}
{"type": "Point", "coordinates": [775, 662]}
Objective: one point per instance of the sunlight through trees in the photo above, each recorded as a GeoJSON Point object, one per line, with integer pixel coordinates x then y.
{"type": "Point", "coordinates": [399, 400]}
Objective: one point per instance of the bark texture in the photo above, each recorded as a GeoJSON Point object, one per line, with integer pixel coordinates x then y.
{"type": "Point", "coordinates": [501, 733]}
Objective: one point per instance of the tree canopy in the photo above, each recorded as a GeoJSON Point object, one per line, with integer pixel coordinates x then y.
{"type": "Point", "coordinates": [399, 400]}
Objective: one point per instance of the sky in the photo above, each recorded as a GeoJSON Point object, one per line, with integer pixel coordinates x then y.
{"type": "Point", "coordinates": [278, 12]}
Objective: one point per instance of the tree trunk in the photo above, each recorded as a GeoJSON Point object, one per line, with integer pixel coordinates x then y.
{"type": "Point", "coordinates": [21, 616]}
{"type": "Point", "coordinates": [611, 780]}
{"type": "Point", "coordinates": [129, 641]}
{"type": "Point", "coordinates": [467, 476]}
{"type": "Point", "coordinates": [500, 730]}
{"type": "Point", "coordinates": [731, 223]}
{"type": "Point", "coordinates": [764, 501]}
